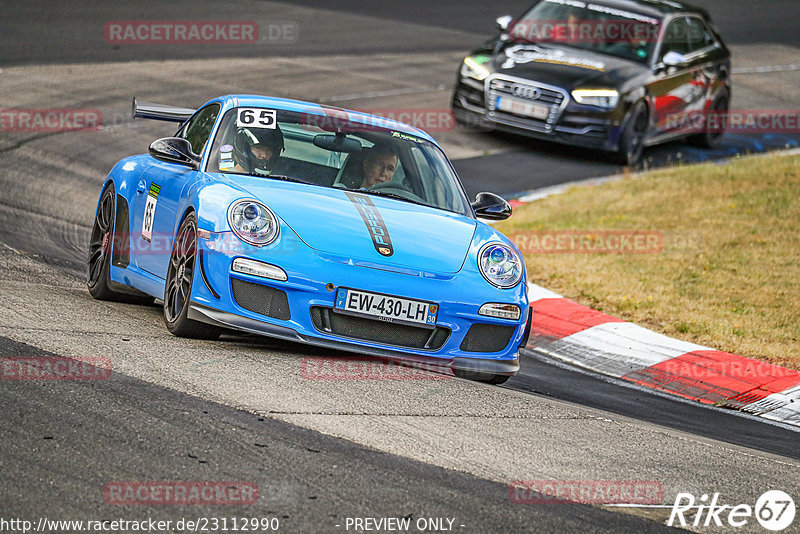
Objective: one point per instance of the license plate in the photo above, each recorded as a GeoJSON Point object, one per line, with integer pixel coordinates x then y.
{"type": "Point", "coordinates": [386, 307]}
{"type": "Point", "coordinates": [522, 107]}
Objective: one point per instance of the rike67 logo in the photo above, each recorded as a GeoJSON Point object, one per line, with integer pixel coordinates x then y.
{"type": "Point", "coordinates": [774, 510]}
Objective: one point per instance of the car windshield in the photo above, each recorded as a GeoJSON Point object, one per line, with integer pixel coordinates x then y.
{"type": "Point", "coordinates": [589, 26]}
{"type": "Point", "coordinates": [338, 153]}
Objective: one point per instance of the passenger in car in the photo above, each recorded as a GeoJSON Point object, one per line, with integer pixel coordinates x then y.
{"type": "Point", "coordinates": [379, 165]}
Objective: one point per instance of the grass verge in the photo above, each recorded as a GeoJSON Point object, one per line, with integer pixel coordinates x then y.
{"type": "Point", "coordinates": [727, 275]}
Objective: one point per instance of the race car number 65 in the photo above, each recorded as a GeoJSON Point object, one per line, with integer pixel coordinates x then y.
{"type": "Point", "coordinates": [256, 118]}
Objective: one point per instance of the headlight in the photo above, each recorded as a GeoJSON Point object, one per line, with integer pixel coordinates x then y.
{"type": "Point", "coordinates": [503, 311]}
{"type": "Point", "coordinates": [604, 98]}
{"type": "Point", "coordinates": [253, 222]}
{"type": "Point", "coordinates": [473, 69]}
{"type": "Point", "coordinates": [259, 268]}
{"type": "Point", "coordinates": [500, 265]}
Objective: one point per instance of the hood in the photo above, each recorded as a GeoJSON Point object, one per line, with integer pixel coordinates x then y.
{"type": "Point", "coordinates": [563, 66]}
{"type": "Point", "coordinates": [367, 228]}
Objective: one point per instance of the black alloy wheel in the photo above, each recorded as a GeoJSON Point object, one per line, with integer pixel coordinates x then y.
{"type": "Point", "coordinates": [631, 145]}
{"type": "Point", "coordinates": [180, 276]}
{"type": "Point", "coordinates": [101, 244]}
{"type": "Point", "coordinates": [100, 247]}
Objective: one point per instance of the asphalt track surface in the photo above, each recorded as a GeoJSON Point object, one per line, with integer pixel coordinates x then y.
{"type": "Point", "coordinates": [63, 432]}
{"type": "Point", "coordinates": [42, 32]}
{"type": "Point", "coordinates": [317, 460]}
{"type": "Point", "coordinates": [543, 376]}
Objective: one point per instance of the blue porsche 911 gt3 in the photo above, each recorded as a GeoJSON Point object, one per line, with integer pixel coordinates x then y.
{"type": "Point", "coordinates": [312, 224]}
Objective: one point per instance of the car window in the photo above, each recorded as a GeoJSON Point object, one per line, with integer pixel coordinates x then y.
{"type": "Point", "coordinates": [675, 38]}
{"type": "Point", "coordinates": [198, 129]}
{"type": "Point", "coordinates": [434, 190]}
{"type": "Point", "coordinates": [699, 35]}
{"type": "Point", "coordinates": [299, 143]}
{"type": "Point", "coordinates": [588, 26]}
{"type": "Point", "coordinates": [330, 152]}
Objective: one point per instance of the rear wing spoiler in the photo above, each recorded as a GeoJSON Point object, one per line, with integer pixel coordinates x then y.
{"type": "Point", "coordinates": [159, 112]}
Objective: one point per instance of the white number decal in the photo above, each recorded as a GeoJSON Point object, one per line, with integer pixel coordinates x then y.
{"type": "Point", "coordinates": [256, 118]}
{"type": "Point", "coordinates": [149, 216]}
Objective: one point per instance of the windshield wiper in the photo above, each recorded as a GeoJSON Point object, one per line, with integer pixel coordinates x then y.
{"type": "Point", "coordinates": [284, 178]}
{"type": "Point", "coordinates": [387, 195]}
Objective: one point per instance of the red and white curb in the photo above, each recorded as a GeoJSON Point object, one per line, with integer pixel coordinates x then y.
{"type": "Point", "coordinates": [581, 336]}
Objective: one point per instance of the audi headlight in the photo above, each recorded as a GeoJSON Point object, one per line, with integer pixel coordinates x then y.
{"type": "Point", "coordinates": [603, 98]}
{"type": "Point", "coordinates": [472, 69]}
{"type": "Point", "coordinates": [253, 222]}
{"type": "Point", "coordinates": [500, 265]}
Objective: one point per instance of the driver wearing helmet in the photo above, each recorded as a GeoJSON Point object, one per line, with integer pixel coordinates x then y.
{"type": "Point", "coordinates": [256, 150]}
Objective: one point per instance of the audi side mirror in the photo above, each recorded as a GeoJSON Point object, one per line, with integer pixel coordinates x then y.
{"type": "Point", "coordinates": [675, 59]}
{"type": "Point", "coordinates": [503, 22]}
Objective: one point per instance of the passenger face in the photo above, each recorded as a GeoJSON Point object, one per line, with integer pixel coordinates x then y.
{"type": "Point", "coordinates": [379, 169]}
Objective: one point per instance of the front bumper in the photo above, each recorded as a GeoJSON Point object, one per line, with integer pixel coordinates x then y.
{"type": "Point", "coordinates": [205, 314]}
{"type": "Point", "coordinates": [569, 123]}
{"type": "Point", "coordinates": [301, 308]}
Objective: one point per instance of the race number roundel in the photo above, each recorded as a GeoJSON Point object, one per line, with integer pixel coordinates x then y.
{"type": "Point", "coordinates": [256, 118]}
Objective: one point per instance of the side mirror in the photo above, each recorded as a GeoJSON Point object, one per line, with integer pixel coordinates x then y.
{"type": "Point", "coordinates": [503, 22]}
{"type": "Point", "coordinates": [492, 207]}
{"type": "Point", "coordinates": [175, 150]}
{"type": "Point", "coordinates": [675, 59]}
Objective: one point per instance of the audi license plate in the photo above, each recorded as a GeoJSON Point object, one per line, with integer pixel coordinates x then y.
{"type": "Point", "coordinates": [522, 107]}
{"type": "Point", "coordinates": [386, 307]}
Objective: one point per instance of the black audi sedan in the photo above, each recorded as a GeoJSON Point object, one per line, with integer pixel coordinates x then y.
{"type": "Point", "coordinates": [614, 75]}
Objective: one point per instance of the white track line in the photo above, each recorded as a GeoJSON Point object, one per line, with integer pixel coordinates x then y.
{"type": "Point", "coordinates": [768, 68]}
{"type": "Point", "coordinates": [391, 92]}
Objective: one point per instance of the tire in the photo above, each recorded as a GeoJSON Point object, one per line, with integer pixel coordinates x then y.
{"type": "Point", "coordinates": [476, 376]}
{"type": "Point", "coordinates": [631, 144]}
{"type": "Point", "coordinates": [709, 139]}
{"type": "Point", "coordinates": [180, 277]}
{"type": "Point", "coordinates": [99, 262]}
{"type": "Point", "coordinates": [457, 117]}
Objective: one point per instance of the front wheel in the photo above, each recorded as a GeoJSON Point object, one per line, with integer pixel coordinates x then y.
{"type": "Point", "coordinates": [180, 276]}
{"type": "Point", "coordinates": [631, 143]}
